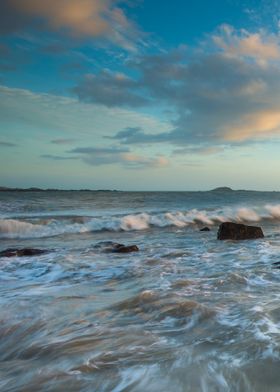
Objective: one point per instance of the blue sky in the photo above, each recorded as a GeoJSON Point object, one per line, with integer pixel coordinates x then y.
{"type": "Point", "coordinates": [140, 95]}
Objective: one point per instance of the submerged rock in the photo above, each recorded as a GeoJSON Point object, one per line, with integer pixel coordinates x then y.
{"type": "Point", "coordinates": [181, 283]}
{"type": "Point", "coordinates": [139, 302]}
{"type": "Point", "coordinates": [151, 306]}
{"type": "Point", "coordinates": [120, 248]}
{"type": "Point", "coordinates": [236, 231]}
{"type": "Point", "coordinates": [183, 309]}
{"type": "Point", "coordinates": [12, 252]}
{"type": "Point", "coordinates": [109, 246]}
{"type": "Point", "coordinates": [205, 229]}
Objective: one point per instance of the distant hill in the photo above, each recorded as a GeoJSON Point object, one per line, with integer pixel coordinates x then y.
{"type": "Point", "coordinates": [222, 189]}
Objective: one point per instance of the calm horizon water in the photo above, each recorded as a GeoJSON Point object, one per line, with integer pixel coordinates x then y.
{"type": "Point", "coordinates": [186, 313]}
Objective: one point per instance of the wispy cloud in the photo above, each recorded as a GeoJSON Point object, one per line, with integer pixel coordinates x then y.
{"type": "Point", "coordinates": [57, 157]}
{"type": "Point", "coordinates": [63, 141]}
{"type": "Point", "coordinates": [7, 144]}
{"type": "Point", "coordinates": [97, 156]}
{"type": "Point", "coordinates": [69, 118]}
{"type": "Point", "coordinates": [200, 150]}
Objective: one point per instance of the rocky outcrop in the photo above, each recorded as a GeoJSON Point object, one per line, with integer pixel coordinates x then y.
{"type": "Point", "coordinates": [13, 252]}
{"type": "Point", "coordinates": [205, 229]}
{"type": "Point", "coordinates": [236, 231]}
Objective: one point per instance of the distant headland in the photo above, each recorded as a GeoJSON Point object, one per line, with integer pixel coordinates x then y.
{"type": "Point", "coordinates": [34, 189]}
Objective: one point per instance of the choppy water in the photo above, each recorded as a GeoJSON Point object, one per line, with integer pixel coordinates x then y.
{"type": "Point", "coordinates": [185, 313]}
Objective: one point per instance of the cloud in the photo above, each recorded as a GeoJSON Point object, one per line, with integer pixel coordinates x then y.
{"type": "Point", "coordinates": [63, 141]}
{"type": "Point", "coordinates": [11, 19]}
{"type": "Point", "coordinates": [131, 135]}
{"type": "Point", "coordinates": [110, 89]}
{"type": "Point", "coordinates": [208, 150]}
{"type": "Point", "coordinates": [7, 144]}
{"type": "Point", "coordinates": [224, 92]}
{"type": "Point", "coordinates": [97, 156]}
{"type": "Point", "coordinates": [264, 13]}
{"type": "Point", "coordinates": [258, 124]}
{"type": "Point", "coordinates": [57, 157]}
{"type": "Point", "coordinates": [98, 150]}
{"type": "Point", "coordinates": [48, 115]}
{"type": "Point", "coordinates": [102, 19]}
{"type": "Point", "coordinates": [140, 162]}
{"type": "Point", "coordinates": [259, 46]}
{"type": "Point", "coordinates": [136, 135]}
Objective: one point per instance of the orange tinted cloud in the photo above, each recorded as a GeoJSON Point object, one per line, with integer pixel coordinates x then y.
{"type": "Point", "coordinates": [91, 18]}
{"type": "Point", "coordinates": [254, 125]}
{"type": "Point", "coordinates": [259, 46]}
{"type": "Point", "coordinates": [136, 159]}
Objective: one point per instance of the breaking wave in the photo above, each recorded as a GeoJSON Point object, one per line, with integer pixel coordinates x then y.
{"type": "Point", "coordinates": [13, 228]}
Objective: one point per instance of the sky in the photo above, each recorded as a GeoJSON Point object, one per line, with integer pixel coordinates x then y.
{"type": "Point", "coordinates": [140, 94]}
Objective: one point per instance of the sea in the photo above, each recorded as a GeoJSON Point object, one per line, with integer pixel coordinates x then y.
{"type": "Point", "coordinates": [186, 313]}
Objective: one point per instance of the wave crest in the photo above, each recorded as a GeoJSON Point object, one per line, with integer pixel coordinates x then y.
{"type": "Point", "coordinates": [13, 228]}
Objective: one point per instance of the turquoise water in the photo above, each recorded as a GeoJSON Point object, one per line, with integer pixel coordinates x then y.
{"type": "Point", "coordinates": [185, 313]}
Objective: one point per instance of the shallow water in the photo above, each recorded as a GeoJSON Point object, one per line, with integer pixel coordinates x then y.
{"type": "Point", "coordinates": [185, 313]}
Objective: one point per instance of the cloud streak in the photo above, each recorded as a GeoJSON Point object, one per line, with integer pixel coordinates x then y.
{"type": "Point", "coordinates": [57, 157]}
{"type": "Point", "coordinates": [97, 156]}
{"type": "Point", "coordinates": [63, 141]}
{"type": "Point", "coordinates": [7, 144]}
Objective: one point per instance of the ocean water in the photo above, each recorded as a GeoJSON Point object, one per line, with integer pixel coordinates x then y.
{"type": "Point", "coordinates": [185, 313]}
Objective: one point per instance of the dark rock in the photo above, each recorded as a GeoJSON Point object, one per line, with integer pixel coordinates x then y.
{"type": "Point", "coordinates": [106, 245]}
{"type": "Point", "coordinates": [12, 252]}
{"type": "Point", "coordinates": [205, 229]}
{"type": "Point", "coordinates": [120, 248]}
{"type": "Point", "coordinates": [236, 231]}
{"type": "Point", "coordinates": [110, 246]}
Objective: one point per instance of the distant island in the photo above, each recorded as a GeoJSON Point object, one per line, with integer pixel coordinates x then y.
{"type": "Point", "coordinates": [222, 189]}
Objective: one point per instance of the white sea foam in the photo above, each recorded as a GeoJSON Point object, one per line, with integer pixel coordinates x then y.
{"type": "Point", "coordinates": [135, 222]}
{"type": "Point", "coordinates": [247, 215]}
{"type": "Point", "coordinates": [13, 228]}
{"type": "Point", "coordinates": [273, 210]}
